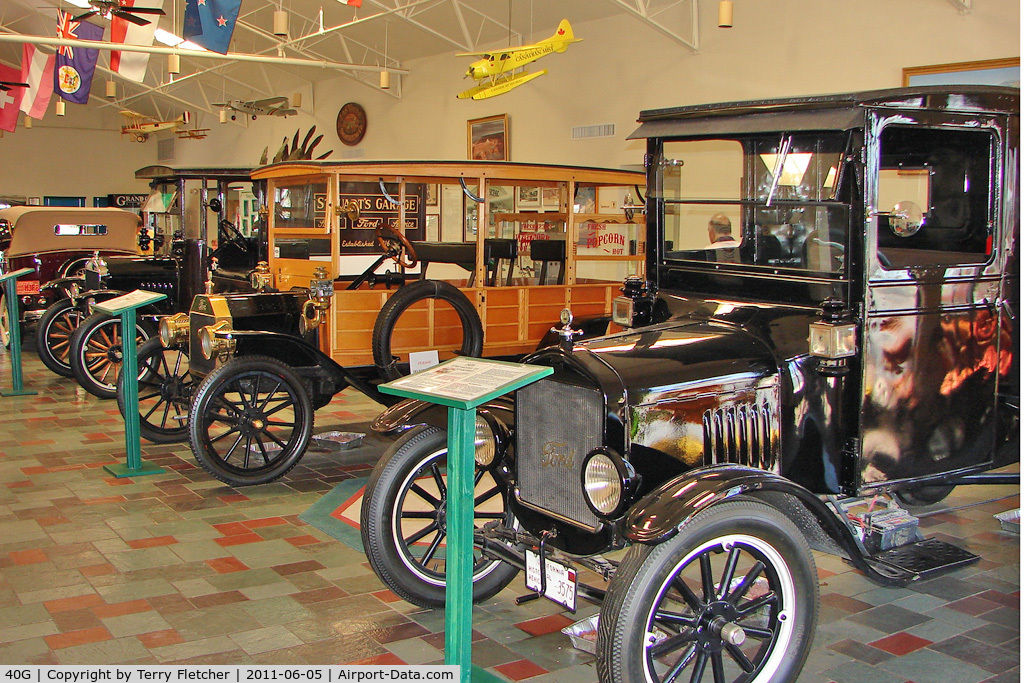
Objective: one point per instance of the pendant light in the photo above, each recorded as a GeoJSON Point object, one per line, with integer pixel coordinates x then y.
{"type": "Point", "coordinates": [111, 90]}
{"type": "Point", "coordinates": [60, 107]}
{"type": "Point", "coordinates": [725, 14]}
{"type": "Point", "coordinates": [385, 75]}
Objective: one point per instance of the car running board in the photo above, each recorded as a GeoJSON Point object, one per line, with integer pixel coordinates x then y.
{"type": "Point", "coordinates": [921, 560]}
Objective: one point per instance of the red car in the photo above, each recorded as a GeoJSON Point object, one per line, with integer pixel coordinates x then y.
{"type": "Point", "coordinates": [56, 242]}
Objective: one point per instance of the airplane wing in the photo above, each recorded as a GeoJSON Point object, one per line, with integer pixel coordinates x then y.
{"type": "Point", "coordinates": [269, 102]}
{"type": "Point", "coordinates": [128, 113]}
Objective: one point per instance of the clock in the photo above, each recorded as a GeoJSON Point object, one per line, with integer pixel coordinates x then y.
{"type": "Point", "coordinates": [351, 124]}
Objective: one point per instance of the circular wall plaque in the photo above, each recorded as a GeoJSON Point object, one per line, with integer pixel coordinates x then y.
{"type": "Point", "coordinates": [351, 123]}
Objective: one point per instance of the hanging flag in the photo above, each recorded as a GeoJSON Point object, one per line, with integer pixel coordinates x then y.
{"type": "Point", "coordinates": [132, 65]}
{"type": "Point", "coordinates": [354, 3]}
{"type": "Point", "coordinates": [37, 71]}
{"type": "Point", "coordinates": [10, 99]}
{"type": "Point", "coordinates": [210, 23]}
{"type": "Point", "coordinates": [74, 66]}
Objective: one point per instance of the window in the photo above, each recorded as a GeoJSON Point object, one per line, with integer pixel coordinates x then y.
{"type": "Point", "coordinates": [934, 196]}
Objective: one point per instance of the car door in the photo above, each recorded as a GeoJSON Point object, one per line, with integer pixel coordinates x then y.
{"type": "Point", "coordinates": [936, 337]}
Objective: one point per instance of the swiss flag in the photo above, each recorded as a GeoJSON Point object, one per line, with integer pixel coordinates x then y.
{"type": "Point", "coordinates": [10, 100]}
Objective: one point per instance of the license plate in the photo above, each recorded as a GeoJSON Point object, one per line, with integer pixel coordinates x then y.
{"type": "Point", "coordinates": [561, 580]}
{"type": "Point", "coordinates": [27, 286]}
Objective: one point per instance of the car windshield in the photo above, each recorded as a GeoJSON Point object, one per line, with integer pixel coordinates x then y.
{"type": "Point", "coordinates": [761, 202]}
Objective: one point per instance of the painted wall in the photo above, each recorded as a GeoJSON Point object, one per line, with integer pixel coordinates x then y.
{"type": "Point", "coordinates": [777, 48]}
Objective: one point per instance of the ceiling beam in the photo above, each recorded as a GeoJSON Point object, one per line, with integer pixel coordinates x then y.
{"type": "Point", "coordinates": [641, 9]}
{"type": "Point", "coordinates": [155, 49]}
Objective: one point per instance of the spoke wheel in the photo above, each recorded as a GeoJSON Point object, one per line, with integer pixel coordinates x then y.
{"type": "Point", "coordinates": [97, 353]}
{"type": "Point", "coordinates": [403, 520]}
{"type": "Point", "coordinates": [5, 322]}
{"type": "Point", "coordinates": [53, 338]}
{"type": "Point", "coordinates": [250, 421]}
{"type": "Point", "coordinates": [165, 391]}
{"type": "Point", "coordinates": [732, 597]}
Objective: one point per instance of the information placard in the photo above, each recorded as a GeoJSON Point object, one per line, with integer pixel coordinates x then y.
{"type": "Point", "coordinates": [465, 382]}
{"type": "Point", "coordinates": [130, 300]}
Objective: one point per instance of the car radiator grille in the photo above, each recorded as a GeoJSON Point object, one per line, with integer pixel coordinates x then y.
{"type": "Point", "coordinates": [740, 433]}
{"type": "Point", "coordinates": [557, 424]}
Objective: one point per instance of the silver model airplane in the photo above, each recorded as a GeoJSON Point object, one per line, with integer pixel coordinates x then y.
{"type": "Point", "coordinates": [270, 106]}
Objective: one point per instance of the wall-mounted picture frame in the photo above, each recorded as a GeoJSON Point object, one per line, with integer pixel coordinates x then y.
{"type": "Point", "coordinates": [550, 198]}
{"type": "Point", "coordinates": [431, 199]}
{"type": "Point", "coordinates": [528, 198]}
{"type": "Point", "coordinates": [488, 138]}
{"type": "Point", "coordinates": [984, 72]}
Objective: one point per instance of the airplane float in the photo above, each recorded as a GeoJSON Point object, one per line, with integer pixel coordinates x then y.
{"type": "Point", "coordinates": [270, 106]}
{"type": "Point", "coordinates": [500, 71]}
{"type": "Point", "coordinates": [139, 126]}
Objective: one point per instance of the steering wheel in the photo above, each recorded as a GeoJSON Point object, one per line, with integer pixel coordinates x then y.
{"type": "Point", "coordinates": [234, 235]}
{"type": "Point", "coordinates": [395, 244]}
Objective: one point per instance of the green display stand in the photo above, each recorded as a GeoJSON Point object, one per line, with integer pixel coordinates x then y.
{"type": "Point", "coordinates": [9, 281]}
{"type": "Point", "coordinates": [125, 306]}
{"type": "Point", "coordinates": [461, 385]}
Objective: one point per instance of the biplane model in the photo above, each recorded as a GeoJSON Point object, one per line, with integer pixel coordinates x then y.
{"type": "Point", "coordinates": [269, 106]}
{"type": "Point", "coordinates": [500, 71]}
{"type": "Point", "coordinates": [139, 126]}
{"type": "Point", "coordinates": [192, 133]}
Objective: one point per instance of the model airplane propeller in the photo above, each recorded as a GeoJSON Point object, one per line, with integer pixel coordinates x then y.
{"type": "Point", "coordinates": [7, 85]}
{"type": "Point", "coordinates": [499, 71]}
{"type": "Point", "coordinates": [109, 8]}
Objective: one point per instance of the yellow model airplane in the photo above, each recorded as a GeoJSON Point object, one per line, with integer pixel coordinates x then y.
{"type": "Point", "coordinates": [499, 72]}
{"type": "Point", "coordinates": [139, 126]}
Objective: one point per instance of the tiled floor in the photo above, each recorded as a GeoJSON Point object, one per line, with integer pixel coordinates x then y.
{"type": "Point", "coordinates": [178, 568]}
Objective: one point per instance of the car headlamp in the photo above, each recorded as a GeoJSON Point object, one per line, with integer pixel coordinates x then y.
{"type": "Point", "coordinates": [490, 439]}
{"type": "Point", "coordinates": [608, 481]}
{"type": "Point", "coordinates": [173, 329]}
{"type": "Point", "coordinates": [216, 339]}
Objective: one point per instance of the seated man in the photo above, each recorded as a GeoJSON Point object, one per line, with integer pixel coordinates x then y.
{"type": "Point", "coordinates": [722, 246]}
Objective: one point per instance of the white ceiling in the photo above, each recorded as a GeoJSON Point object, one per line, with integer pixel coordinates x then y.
{"type": "Point", "coordinates": [391, 32]}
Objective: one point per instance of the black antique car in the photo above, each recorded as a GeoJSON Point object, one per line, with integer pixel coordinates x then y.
{"type": "Point", "coordinates": [377, 261]}
{"type": "Point", "coordinates": [830, 311]}
{"type": "Point", "coordinates": [186, 209]}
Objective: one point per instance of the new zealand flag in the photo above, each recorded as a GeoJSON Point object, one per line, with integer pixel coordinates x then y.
{"type": "Point", "coordinates": [73, 69]}
{"type": "Point", "coordinates": [210, 23]}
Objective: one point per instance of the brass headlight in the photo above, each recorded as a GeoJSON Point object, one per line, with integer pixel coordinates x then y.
{"type": "Point", "coordinates": [216, 339]}
{"type": "Point", "coordinates": [173, 329]}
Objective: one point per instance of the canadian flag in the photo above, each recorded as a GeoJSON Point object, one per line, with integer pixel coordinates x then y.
{"type": "Point", "coordinates": [132, 65]}
{"type": "Point", "coordinates": [37, 71]}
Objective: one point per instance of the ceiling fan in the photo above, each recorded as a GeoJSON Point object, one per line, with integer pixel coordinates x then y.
{"type": "Point", "coordinates": [7, 85]}
{"type": "Point", "coordinates": [109, 8]}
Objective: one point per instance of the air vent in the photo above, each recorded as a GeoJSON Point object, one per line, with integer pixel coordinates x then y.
{"type": "Point", "coordinates": [601, 130]}
{"type": "Point", "coordinates": [165, 149]}
{"type": "Point", "coordinates": [355, 153]}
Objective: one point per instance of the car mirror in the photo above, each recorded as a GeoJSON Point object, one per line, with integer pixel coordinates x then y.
{"type": "Point", "coordinates": [906, 219]}
{"type": "Point", "coordinates": [215, 205]}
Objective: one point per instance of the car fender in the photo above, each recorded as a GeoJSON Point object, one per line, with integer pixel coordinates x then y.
{"type": "Point", "coordinates": [659, 515]}
{"type": "Point", "coordinates": [413, 412]}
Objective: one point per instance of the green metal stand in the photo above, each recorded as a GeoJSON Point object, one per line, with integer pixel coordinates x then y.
{"type": "Point", "coordinates": [9, 281]}
{"type": "Point", "coordinates": [125, 306]}
{"type": "Point", "coordinates": [434, 386]}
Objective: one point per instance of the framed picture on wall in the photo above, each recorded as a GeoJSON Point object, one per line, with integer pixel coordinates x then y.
{"type": "Point", "coordinates": [488, 138]}
{"type": "Point", "coordinates": [985, 72]}
{"type": "Point", "coordinates": [431, 199]}
{"type": "Point", "coordinates": [527, 198]}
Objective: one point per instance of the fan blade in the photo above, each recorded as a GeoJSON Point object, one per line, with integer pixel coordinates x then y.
{"type": "Point", "coordinates": [86, 15]}
{"type": "Point", "coordinates": [143, 10]}
{"type": "Point", "coordinates": [138, 21]}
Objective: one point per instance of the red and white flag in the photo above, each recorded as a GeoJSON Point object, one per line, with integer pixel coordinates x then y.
{"type": "Point", "coordinates": [132, 65]}
{"type": "Point", "coordinates": [10, 99]}
{"type": "Point", "coordinates": [354, 3]}
{"type": "Point", "coordinates": [37, 71]}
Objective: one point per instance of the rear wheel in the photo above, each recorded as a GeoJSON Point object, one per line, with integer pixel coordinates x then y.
{"type": "Point", "coordinates": [251, 421]}
{"type": "Point", "coordinates": [97, 353]}
{"type": "Point", "coordinates": [732, 597]}
{"type": "Point", "coordinates": [923, 495]}
{"type": "Point", "coordinates": [53, 337]}
{"type": "Point", "coordinates": [165, 390]}
{"type": "Point", "coordinates": [403, 520]}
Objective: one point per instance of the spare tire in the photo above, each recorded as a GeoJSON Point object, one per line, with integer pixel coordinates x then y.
{"type": "Point", "coordinates": [387, 319]}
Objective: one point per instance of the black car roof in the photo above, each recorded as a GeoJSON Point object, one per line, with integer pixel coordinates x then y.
{"type": "Point", "coordinates": [840, 111]}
